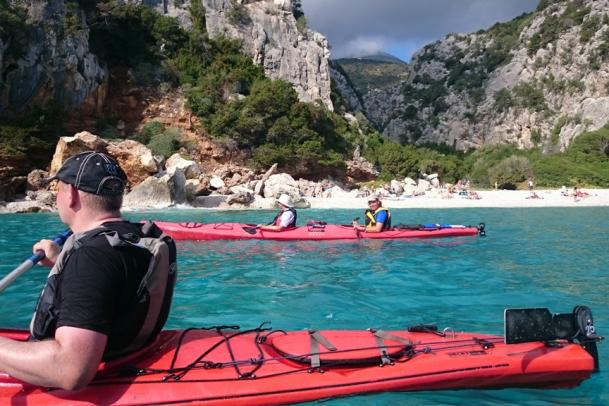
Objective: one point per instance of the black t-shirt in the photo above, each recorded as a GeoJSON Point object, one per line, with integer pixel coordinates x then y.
{"type": "Point", "coordinates": [98, 288]}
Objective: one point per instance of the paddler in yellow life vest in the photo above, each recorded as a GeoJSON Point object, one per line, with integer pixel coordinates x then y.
{"type": "Point", "coordinates": [377, 217]}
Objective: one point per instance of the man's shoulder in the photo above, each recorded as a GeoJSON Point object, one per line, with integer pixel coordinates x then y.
{"type": "Point", "coordinates": [382, 214]}
{"type": "Point", "coordinates": [96, 237]}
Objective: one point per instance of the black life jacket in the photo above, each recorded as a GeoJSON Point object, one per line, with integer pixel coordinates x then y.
{"type": "Point", "coordinates": [292, 224]}
{"type": "Point", "coordinates": [371, 218]}
{"type": "Point", "coordinates": [154, 294]}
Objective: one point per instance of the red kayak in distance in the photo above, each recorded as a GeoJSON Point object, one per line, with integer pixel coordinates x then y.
{"type": "Point", "coordinates": [262, 366]}
{"type": "Point", "coordinates": [313, 231]}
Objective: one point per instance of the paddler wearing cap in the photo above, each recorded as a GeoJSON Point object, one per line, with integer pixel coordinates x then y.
{"type": "Point", "coordinates": [378, 218]}
{"type": "Point", "coordinates": [285, 219]}
{"type": "Point", "coordinates": [90, 308]}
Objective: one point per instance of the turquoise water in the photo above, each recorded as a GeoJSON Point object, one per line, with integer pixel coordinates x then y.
{"type": "Point", "coordinates": [541, 257]}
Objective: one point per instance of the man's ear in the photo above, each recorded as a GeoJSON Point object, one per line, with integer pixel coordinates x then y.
{"type": "Point", "coordinates": [74, 197]}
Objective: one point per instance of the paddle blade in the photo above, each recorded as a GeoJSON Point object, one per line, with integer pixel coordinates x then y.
{"type": "Point", "coordinates": [250, 230]}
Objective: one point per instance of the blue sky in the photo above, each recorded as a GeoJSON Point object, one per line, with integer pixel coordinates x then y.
{"type": "Point", "coordinates": [401, 27]}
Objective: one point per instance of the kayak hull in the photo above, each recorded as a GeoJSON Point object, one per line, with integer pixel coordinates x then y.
{"type": "Point", "coordinates": [238, 231]}
{"type": "Point", "coordinates": [232, 367]}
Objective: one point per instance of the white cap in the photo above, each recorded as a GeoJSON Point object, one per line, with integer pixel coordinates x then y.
{"type": "Point", "coordinates": [285, 200]}
{"type": "Point", "coordinates": [374, 197]}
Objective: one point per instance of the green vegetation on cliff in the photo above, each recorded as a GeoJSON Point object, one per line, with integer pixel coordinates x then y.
{"type": "Point", "coordinates": [585, 163]}
{"type": "Point", "coordinates": [230, 94]}
{"type": "Point", "coordinates": [399, 161]}
{"type": "Point", "coordinates": [370, 73]}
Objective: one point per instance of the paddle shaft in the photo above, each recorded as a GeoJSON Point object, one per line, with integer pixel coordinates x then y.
{"type": "Point", "coordinates": [31, 261]}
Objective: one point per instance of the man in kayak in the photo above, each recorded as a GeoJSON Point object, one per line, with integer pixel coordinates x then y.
{"type": "Point", "coordinates": [377, 217]}
{"type": "Point", "coordinates": [91, 308]}
{"type": "Point", "coordinates": [286, 218]}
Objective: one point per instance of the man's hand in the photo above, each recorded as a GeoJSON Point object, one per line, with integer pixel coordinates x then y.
{"type": "Point", "coordinates": [50, 249]}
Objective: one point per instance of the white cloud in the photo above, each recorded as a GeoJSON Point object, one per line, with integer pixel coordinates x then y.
{"type": "Point", "coordinates": [391, 22]}
{"type": "Point", "coordinates": [362, 46]}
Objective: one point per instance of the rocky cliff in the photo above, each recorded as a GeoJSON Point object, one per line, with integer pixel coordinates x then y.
{"type": "Point", "coordinates": [53, 61]}
{"type": "Point", "coordinates": [539, 80]}
{"type": "Point", "coordinates": [56, 63]}
{"type": "Point", "coordinates": [273, 39]}
{"type": "Point", "coordinates": [271, 36]}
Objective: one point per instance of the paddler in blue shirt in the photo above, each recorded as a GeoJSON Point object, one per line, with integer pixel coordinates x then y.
{"type": "Point", "coordinates": [377, 217]}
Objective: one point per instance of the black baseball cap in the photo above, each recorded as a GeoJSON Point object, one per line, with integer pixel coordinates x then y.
{"type": "Point", "coordinates": [93, 172]}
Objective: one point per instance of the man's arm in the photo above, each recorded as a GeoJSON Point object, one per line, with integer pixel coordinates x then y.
{"type": "Point", "coordinates": [381, 218]}
{"type": "Point", "coordinates": [270, 228]}
{"type": "Point", "coordinates": [377, 228]}
{"type": "Point", "coordinates": [69, 361]}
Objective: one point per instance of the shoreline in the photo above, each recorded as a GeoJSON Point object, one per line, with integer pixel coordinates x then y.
{"type": "Point", "coordinates": [431, 200]}
{"type": "Point", "coordinates": [488, 199]}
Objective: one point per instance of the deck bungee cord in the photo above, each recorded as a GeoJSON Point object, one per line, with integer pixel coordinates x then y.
{"type": "Point", "coordinates": [406, 351]}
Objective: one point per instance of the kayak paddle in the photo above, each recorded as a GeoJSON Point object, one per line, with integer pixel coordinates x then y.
{"type": "Point", "coordinates": [31, 261]}
{"type": "Point", "coordinates": [250, 230]}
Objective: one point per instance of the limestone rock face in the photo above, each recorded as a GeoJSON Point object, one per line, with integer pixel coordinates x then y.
{"type": "Point", "coordinates": [539, 80]}
{"type": "Point", "coordinates": [271, 37]}
{"type": "Point", "coordinates": [346, 90]}
{"type": "Point", "coordinates": [56, 64]}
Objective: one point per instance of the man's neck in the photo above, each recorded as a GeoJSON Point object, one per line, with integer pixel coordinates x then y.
{"type": "Point", "coordinates": [83, 224]}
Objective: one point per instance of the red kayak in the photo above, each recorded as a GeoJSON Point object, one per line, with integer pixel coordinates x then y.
{"type": "Point", "coordinates": [315, 231]}
{"type": "Point", "coordinates": [262, 366]}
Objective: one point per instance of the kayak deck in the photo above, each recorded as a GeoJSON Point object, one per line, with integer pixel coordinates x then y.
{"type": "Point", "coordinates": [262, 366]}
{"type": "Point", "coordinates": [317, 231]}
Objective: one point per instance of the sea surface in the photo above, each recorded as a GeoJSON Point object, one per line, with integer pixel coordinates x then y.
{"type": "Point", "coordinates": [530, 257]}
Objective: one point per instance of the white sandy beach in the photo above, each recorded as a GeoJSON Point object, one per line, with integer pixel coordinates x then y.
{"type": "Point", "coordinates": [492, 198]}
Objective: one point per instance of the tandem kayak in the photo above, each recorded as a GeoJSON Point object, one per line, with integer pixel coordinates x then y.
{"type": "Point", "coordinates": [226, 366]}
{"type": "Point", "coordinates": [314, 230]}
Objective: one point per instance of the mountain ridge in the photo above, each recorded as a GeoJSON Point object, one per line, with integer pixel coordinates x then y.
{"type": "Point", "coordinates": [537, 80]}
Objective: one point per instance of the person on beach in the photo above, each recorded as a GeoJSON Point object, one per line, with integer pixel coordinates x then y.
{"type": "Point", "coordinates": [285, 219]}
{"type": "Point", "coordinates": [378, 218]}
{"type": "Point", "coordinates": [91, 308]}
{"type": "Point", "coordinates": [578, 194]}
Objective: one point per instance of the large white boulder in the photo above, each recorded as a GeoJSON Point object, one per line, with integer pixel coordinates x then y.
{"type": "Point", "coordinates": [281, 183]}
{"type": "Point", "coordinates": [154, 192]}
{"type": "Point", "coordinates": [190, 168]}
{"type": "Point", "coordinates": [216, 182]}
